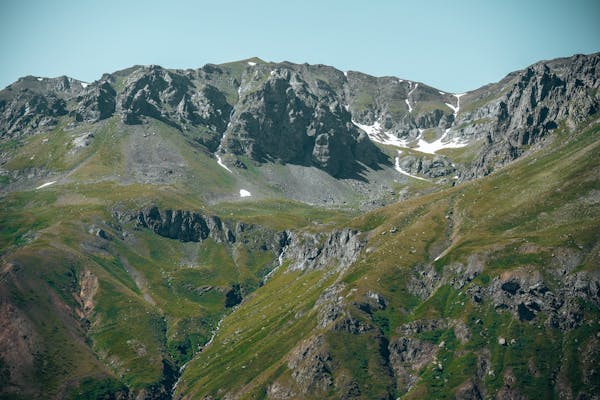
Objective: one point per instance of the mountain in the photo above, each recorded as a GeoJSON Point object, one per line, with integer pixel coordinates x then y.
{"type": "Point", "coordinates": [281, 230]}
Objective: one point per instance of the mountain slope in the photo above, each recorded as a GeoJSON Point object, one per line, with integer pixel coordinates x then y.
{"type": "Point", "coordinates": [482, 290]}
{"type": "Point", "coordinates": [217, 219]}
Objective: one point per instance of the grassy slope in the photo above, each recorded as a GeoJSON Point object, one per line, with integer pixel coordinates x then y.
{"type": "Point", "coordinates": [46, 244]}
{"type": "Point", "coordinates": [157, 299]}
{"type": "Point", "coordinates": [544, 201]}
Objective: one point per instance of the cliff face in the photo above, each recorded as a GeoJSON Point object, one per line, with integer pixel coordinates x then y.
{"type": "Point", "coordinates": [186, 226]}
{"type": "Point", "coordinates": [529, 105]}
{"type": "Point", "coordinates": [288, 119]}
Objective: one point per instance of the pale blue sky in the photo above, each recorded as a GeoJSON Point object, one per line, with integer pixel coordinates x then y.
{"type": "Point", "coordinates": [452, 45]}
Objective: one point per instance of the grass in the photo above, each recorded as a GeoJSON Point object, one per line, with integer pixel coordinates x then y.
{"type": "Point", "coordinates": [512, 219]}
{"type": "Point", "coordinates": [252, 343]}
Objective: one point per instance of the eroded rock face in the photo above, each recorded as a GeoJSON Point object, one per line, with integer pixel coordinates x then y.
{"type": "Point", "coordinates": [530, 104]}
{"type": "Point", "coordinates": [172, 98]}
{"type": "Point", "coordinates": [435, 167]}
{"type": "Point", "coordinates": [339, 249]}
{"type": "Point", "coordinates": [186, 226]}
{"type": "Point", "coordinates": [290, 120]}
{"type": "Point", "coordinates": [526, 295]}
{"type": "Point", "coordinates": [98, 102]}
{"type": "Point", "coordinates": [407, 356]}
{"type": "Point", "coordinates": [31, 104]}
{"type": "Point", "coordinates": [310, 365]}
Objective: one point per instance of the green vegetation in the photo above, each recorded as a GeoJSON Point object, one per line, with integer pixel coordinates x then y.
{"type": "Point", "coordinates": [118, 312]}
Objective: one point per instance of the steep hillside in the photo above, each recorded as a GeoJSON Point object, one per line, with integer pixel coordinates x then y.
{"type": "Point", "coordinates": [280, 230]}
{"type": "Point", "coordinates": [487, 290]}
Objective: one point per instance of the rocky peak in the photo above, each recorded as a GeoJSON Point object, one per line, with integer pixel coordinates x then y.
{"type": "Point", "coordinates": [289, 118]}
{"type": "Point", "coordinates": [96, 103]}
{"type": "Point", "coordinates": [530, 104]}
{"type": "Point", "coordinates": [33, 103]}
{"type": "Point", "coordinates": [174, 98]}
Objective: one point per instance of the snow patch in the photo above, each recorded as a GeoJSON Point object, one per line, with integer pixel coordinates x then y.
{"type": "Point", "coordinates": [412, 89]}
{"type": "Point", "coordinates": [453, 108]}
{"type": "Point", "coordinates": [245, 193]}
{"type": "Point", "coordinates": [442, 93]}
{"type": "Point", "coordinates": [252, 64]}
{"type": "Point", "coordinates": [45, 184]}
{"type": "Point", "coordinates": [220, 162]}
{"type": "Point", "coordinates": [403, 172]}
{"type": "Point", "coordinates": [346, 74]}
{"type": "Point", "coordinates": [377, 134]}
{"type": "Point", "coordinates": [40, 79]}
{"type": "Point", "coordinates": [442, 143]}
{"type": "Point", "coordinates": [84, 84]}
{"type": "Point", "coordinates": [272, 72]}
{"type": "Point", "coordinates": [347, 107]}
{"type": "Point", "coordinates": [458, 96]}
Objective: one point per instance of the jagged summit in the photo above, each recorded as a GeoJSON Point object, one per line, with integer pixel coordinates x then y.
{"type": "Point", "coordinates": [316, 115]}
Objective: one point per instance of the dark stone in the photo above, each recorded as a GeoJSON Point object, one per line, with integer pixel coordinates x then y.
{"type": "Point", "coordinates": [525, 314]}
{"type": "Point", "coordinates": [233, 296]}
{"type": "Point", "coordinates": [511, 287]}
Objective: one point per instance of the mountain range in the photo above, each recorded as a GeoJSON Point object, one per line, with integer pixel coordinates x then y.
{"type": "Point", "coordinates": [278, 230]}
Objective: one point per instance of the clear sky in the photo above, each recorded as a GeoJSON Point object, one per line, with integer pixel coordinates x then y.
{"type": "Point", "coordinates": [452, 45]}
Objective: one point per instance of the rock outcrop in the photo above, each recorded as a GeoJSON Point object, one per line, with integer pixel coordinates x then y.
{"type": "Point", "coordinates": [527, 105]}
{"type": "Point", "coordinates": [96, 103]}
{"type": "Point", "coordinates": [291, 119]}
{"type": "Point", "coordinates": [339, 248]}
{"type": "Point", "coordinates": [186, 226]}
{"type": "Point", "coordinates": [31, 104]}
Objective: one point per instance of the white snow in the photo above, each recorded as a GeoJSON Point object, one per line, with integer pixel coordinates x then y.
{"type": "Point", "coordinates": [40, 79]}
{"type": "Point", "coordinates": [442, 143]}
{"type": "Point", "coordinates": [377, 134]}
{"type": "Point", "coordinates": [45, 184]}
{"type": "Point", "coordinates": [412, 89]}
{"type": "Point", "coordinates": [400, 80]}
{"type": "Point", "coordinates": [252, 64]}
{"type": "Point", "coordinates": [442, 93]}
{"type": "Point", "coordinates": [220, 162]}
{"type": "Point", "coordinates": [84, 84]}
{"type": "Point", "coordinates": [457, 108]}
{"type": "Point", "coordinates": [403, 172]}
{"type": "Point", "coordinates": [346, 74]}
{"type": "Point", "coordinates": [245, 193]}
{"type": "Point", "coordinates": [272, 72]}
{"type": "Point", "coordinates": [347, 107]}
